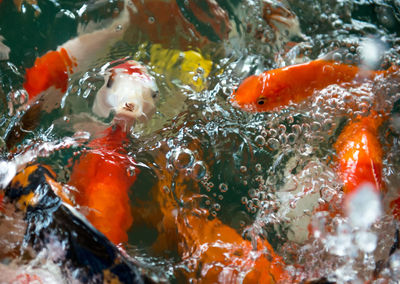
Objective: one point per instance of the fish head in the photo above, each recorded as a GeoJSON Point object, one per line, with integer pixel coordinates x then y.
{"type": "Point", "coordinates": [260, 93]}
{"type": "Point", "coordinates": [129, 91]}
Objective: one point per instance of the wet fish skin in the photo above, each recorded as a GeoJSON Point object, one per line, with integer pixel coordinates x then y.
{"type": "Point", "coordinates": [87, 250]}
{"type": "Point", "coordinates": [277, 88]}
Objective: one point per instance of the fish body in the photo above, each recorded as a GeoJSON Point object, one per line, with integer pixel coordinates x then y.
{"type": "Point", "coordinates": [359, 154]}
{"type": "Point", "coordinates": [278, 88]}
{"type": "Point", "coordinates": [103, 177]}
{"type": "Point", "coordinates": [223, 256]}
{"type": "Point", "coordinates": [50, 221]}
{"type": "Point", "coordinates": [211, 251]}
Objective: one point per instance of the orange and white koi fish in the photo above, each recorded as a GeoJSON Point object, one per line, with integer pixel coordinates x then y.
{"type": "Point", "coordinates": [359, 154]}
{"type": "Point", "coordinates": [278, 88]}
{"type": "Point", "coordinates": [102, 175]}
{"type": "Point", "coordinates": [54, 68]}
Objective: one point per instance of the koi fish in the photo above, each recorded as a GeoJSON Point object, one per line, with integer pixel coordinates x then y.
{"type": "Point", "coordinates": [156, 20]}
{"type": "Point", "coordinates": [50, 221]}
{"type": "Point", "coordinates": [358, 162]}
{"type": "Point", "coordinates": [359, 154]}
{"type": "Point", "coordinates": [47, 80]}
{"type": "Point", "coordinates": [102, 175]}
{"type": "Point", "coordinates": [213, 251]}
{"type": "Point", "coordinates": [222, 255]}
{"type": "Point", "coordinates": [54, 68]}
{"type": "Point", "coordinates": [103, 180]}
{"type": "Point", "coordinates": [280, 87]}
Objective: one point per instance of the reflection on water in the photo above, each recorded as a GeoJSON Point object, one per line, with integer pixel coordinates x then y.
{"type": "Point", "coordinates": [265, 179]}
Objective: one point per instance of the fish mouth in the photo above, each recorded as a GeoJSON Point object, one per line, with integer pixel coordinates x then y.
{"type": "Point", "coordinates": [131, 112]}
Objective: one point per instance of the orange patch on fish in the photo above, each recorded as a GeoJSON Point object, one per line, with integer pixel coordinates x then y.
{"type": "Point", "coordinates": [278, 88]}
{"type": "Point", "coordinates": [214, 251]}
{"type": "Point", "coordinates": [52, 69]}
{"type": "Point", "coordinates": [103, 182]}
{"type": "Point", "coordinates": [359, 154]}
{"type": "Point", "coordinates": [223, 256]}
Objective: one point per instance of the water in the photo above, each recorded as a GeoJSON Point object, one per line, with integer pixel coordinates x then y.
{"type": "Point", "coordinates": [261, 174]}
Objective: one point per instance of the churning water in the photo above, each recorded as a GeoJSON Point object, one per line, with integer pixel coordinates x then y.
{"type": "Point", "coordinates": [261, 174]}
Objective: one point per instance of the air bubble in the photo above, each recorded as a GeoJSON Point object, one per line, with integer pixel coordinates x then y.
{"type": "Point", "coordinates": [151, 20]}
{"type": "Point", "coordinates": [291, 138]}
{"type": "Point", "coordinates": [260, 140]}
{"type": "Point", "coordinates": [258, 168]}
{"type": "Point", "coordinates": [165, 189]}
{"type": "Point", "coordinates": [223, 187]}
{"type": "Point", "coordinates": [199, 170]}
{"type": "Point", "coordinates": [273, 143]}
{"type": "Point", "coordinates": [182, 158]}
{"type": "Point", "coordinates": [243, 169]}
{"type": "Point", "coordinates": [131, 171]}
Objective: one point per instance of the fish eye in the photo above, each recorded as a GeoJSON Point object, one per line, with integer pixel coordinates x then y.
{"type": "Point", "coordinates": [154, 94]}
{"type": "Point", "coordinates": [261, 101]}
{"type": "Point", "coordinates": [110, 81]}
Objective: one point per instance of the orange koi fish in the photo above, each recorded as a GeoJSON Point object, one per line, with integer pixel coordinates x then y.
{"type": "Point", "coordinates": [359, 153]}
{"type": "Point", "coordinates": [223, 256]}
{"type": "Point", "coordinates": [103, 181]}
{"type": "Point", "coordinates": [277, 88]}
{"type": "Point", "coordinates": [213, 251]}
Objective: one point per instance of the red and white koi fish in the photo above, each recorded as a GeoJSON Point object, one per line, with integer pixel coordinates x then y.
{"type": "Point", "coordinates": [280, 87]}
{"type": "Point", "coordinates": [129, 91]}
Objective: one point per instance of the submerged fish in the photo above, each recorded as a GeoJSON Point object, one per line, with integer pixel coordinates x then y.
{"type": "Point", "coordinates": [84, 253]}
{"type": "Point", "coordinates": [278, 88]}
{"type": "Point", "coordinates": [359, 154]}
{"type": "Point", "coordinates": [210, 251]}
{"type": "Point", "coordinates": [103, 177]}
{"type": "Point", "coordinates": [104, 174]}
